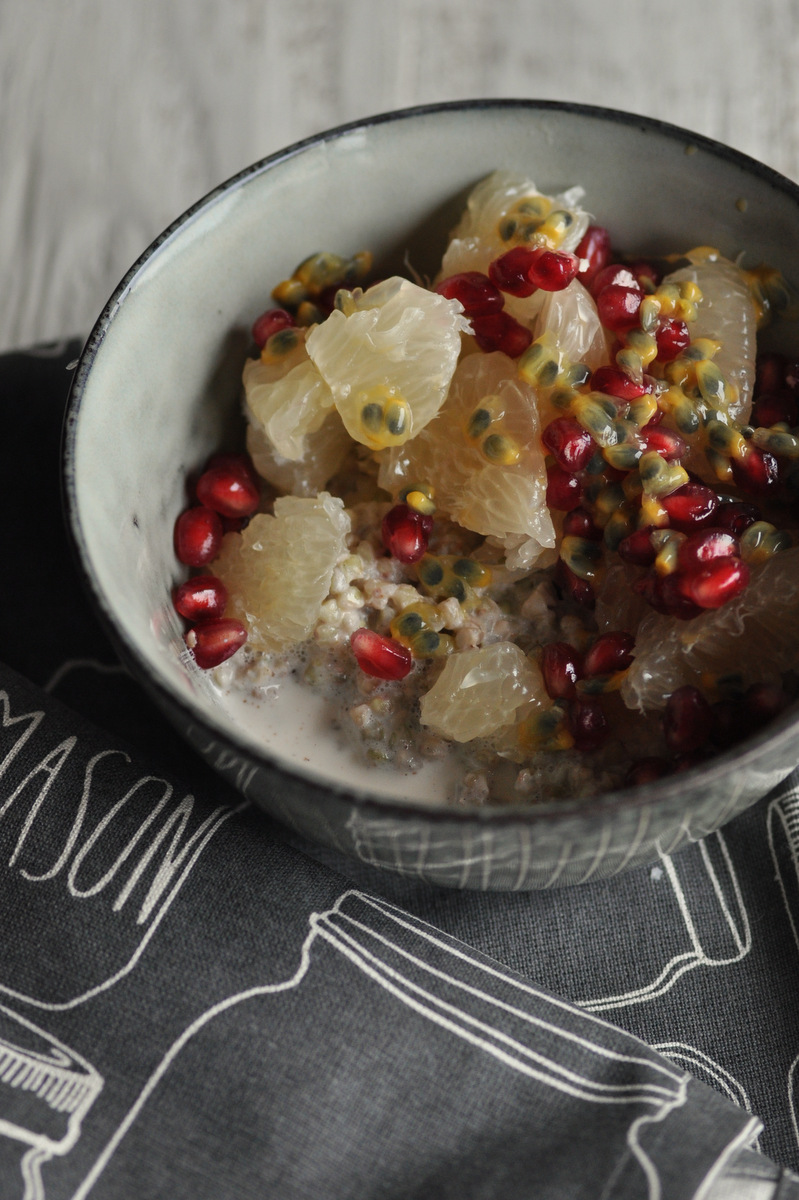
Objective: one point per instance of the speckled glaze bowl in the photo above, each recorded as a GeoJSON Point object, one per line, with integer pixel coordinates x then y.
{"type": "Point", "coordinates": [157, 391]}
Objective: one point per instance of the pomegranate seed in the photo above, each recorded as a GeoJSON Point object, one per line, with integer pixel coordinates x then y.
{"type": "Point", "coordinates": [478, 295]}
{"type": "Point", "coordinates": [762, 702]}
{"type": "Point", "coordinates": [212, 642]}
{"type": "Point", "coordinates": [729, 726]}
{"type": "Point", "coordinates": [690, 506]}
{"type": "Point", "coordinates": [269, 322]}
{"type": "Point", "coordinates": [610, 652]}
{"type": "Point", "coordinates": [615, 274]}
{"type": "Point", "coordinates": [563, 489]}
{"type": "Point", "coordinates": [234, 524]}
{"type": "Point", "coordinates": [228, 490]}
{"type": "Point", "coordinates": [588, 724]}
{"type": "Point", "coordinates": [770, 371]}
{"type": "Point", "coordinates": [617, 383]}
{"type": "Point", "coordinates": [594, 253]}
{"type": "Point", "coordinates": [758, 472]}
{"type": "Point", "coordinates": [406, 533]}
{"type": "Point", "coordinates": [571, 446]}
{"type": "Point", "coordinates": [552, 271]}
{"type": "Point", "coordinates": [618, 307]}
{"type": "Point", "coordinates": [510, 271]}
{"type": "Point", "coordinates": [686, 762]}
{"type": "Point", "coordinates": [579, 523]}
{"type": "Point", "coordinates": [234, 462]}
{"type": "Point", "coordinates": [687, 720]}
{"type": "Point", "coordinates": [646, 274]}
{"type": "Point", "coordinates": [561, 668]}
{"type": "Point", "coordinates": [499, 331]}
{"type": "Point", "coordinates": [672, 337]}
{"type": "Point", "coordinates": [647, 770]}
{"type": "Point", "coordinates": [702, 548]}
{"type": "Point", "coordinates": [735, 517]}
{"type": "Point", "coordinates": [380, 656]}
{"type": "Point", "coordinates": [662, 592]}
{"type": "Point", "coordinates": [637, 548]}
{"type": "Point", "coordinates": [715, 584]}
{"type": "Point", "coordinates": [201, 597]}
{"type": "Point", "coordinates": [665, 442]}
{"type": "Point", "coordinates": [774, 407]}
{"type": "Point", "coordinates": [580, 590]}
{"type": "Point", "coordinates": [198, 536]}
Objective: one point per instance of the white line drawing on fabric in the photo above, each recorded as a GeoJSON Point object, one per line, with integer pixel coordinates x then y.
{"type": "Point", "coordinates": [734, 919]}
{"type": "Point", "coordinates": [35, 1064]}
{"type": "Point", "coordinates": [455, 997]}
{"type": "Point", "coordinates": [782, 816]}
{"type": "Point", "coordinates": [169, 876]}
{"type": "Point", "coordinates": [706, 1068]}
{"type": "Point", "coordinates": [79, 664]}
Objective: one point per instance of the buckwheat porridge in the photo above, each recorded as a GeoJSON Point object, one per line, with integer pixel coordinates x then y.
{"type": "Point", "coordinates": [535, 519]}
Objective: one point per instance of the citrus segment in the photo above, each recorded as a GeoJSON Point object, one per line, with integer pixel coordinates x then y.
{"type": "Point", "coordinates": [506, 210]}
{"type": "Point", "coordinates": [278, 570]}
{"type": "Point", "coordinates": [483, 457]}
{"type": "Point", "coordinates": [325, 451]}
{"type": "Point", "coordinates": [387, 356]}
{"type": "Point", "coordinates": [479, 691]}
{"type": "Point", "coordinates": [289, 407]}
{"type": "Point", "coordinates": [753, 636]}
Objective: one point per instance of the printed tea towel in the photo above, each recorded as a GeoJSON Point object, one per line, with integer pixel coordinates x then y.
{"type": "Point", "coordinates": [192, 1004]}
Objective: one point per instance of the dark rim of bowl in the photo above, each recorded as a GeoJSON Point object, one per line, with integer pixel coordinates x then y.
{"type": "Point", "coordinates": [779, 731]}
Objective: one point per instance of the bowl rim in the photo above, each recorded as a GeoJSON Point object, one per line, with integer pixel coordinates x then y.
{"type": "Point", "coordinates": [779, 731]}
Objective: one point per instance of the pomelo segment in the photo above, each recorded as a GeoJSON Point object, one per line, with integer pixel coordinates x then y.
{"type": "Point", "coordinates": [479, 691]}
{"type": "Point", "coordinates": [753, 636]}
{"type": "Point", "coordinates": [507, 210]}
{"type": "Point", "coordinates": [278, 570]}
{"type": "Point", "coordinates": [504, 500]}
{"type": "Point", "coordinates": [388, 356]}
{"type": "Point", "coordinates": [726, 314]}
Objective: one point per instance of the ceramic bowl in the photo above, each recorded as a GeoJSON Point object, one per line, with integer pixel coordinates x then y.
{"type": "Point", "coordinates": [157, 391]}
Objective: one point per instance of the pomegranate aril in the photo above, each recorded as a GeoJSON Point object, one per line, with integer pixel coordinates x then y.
{"type": "Point", "coordinates": [735, 517]}
{"type": "Point", "coordinates": [611, 652]}
{"type": "Point", "coordinates": [617, 383]}
{"type": "Point", "coordinates": [618, 307]}
{"type": "Point", "coordinates": [579, 590]}
{"type": "Point", "coordinates": [380, 656]}
{"type": "Point", "coordinates": [269, 322]}
{"type": "Point", "coordinates": [561, 668]}
{"type": "Point", "coordinates": [564, 490]}
{"type": "Point", "coordinates": [587, 723]}
{"type": "Point", "coordinates": [757, 472]}
{"type": "Point", "coordinates": [579, 523]}
{"type": "Point", "coordinates": [509, 272]}
{"type": "Point", "coordinates": [234, 462]}
{"type": "Point", "coordinates": [213, 642]}
{"type": "Point", "coordinates": [406, 532]}
{"type": "Point", "coordinates": [499, 331]}
{"type": "Point", "coordinates": [571, 446]}
{"type": "Point", "coordinates": [228, 490]}
{"type": "Point", "coordinates": [637, 548]}
{"type": "Point", "coordinates": [690, 506]}
{"type": "Point", "coordinates": [672, 337]}
{"type": "Point", "coordinates": [594, 252]}
{"type": "Point", "coordinates": [761, 702]}
{"type": "Point", "coordinates": [662, 592]}
{"type": "Point", "coordinates": [646, 274]}
{"type": "Point", "coordinates": [702, 548]}
{"type": "Point", "coordinates": [198, 536]}
{"type": "Point", "coordinates": [772, 408]}
{"type": "Point", "coordinates": [200, 598]}
{"type": "Point", "coordinates": [665, 442]}
{"type": "Point", "coordinates": [647, 770]}
{"type": "Point", "coordinates": [687, 720]}
{"type": "Point", "coordinates": [475, 291]}
{"type": "Point", "coordinates": [552, 270]}
{"type": "Point", "coordinates": [769, 373]}
{"type": "Point", "coordinates": [717, 583]}
{"type": "Point", "coordinates": [614, 275]}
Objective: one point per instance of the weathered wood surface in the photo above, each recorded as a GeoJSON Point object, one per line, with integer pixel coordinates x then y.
{"type": "Point", "coordinates": [115, 115]}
